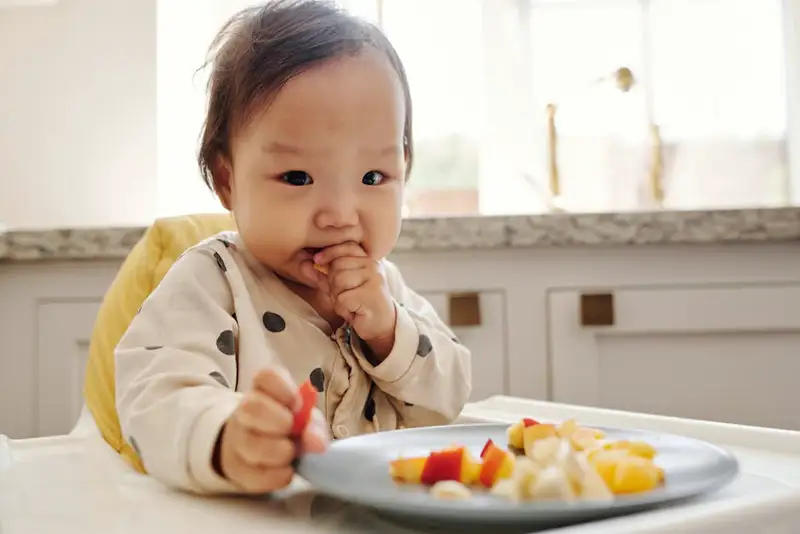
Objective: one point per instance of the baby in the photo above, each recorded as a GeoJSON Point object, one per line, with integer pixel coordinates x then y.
{"type": "Point", "coordinates": [308, 143]}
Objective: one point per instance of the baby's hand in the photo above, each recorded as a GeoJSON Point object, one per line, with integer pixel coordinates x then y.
{"type": "Point", "coordinates": [361, 294]}
{"type": "Point", "coordinates": [257, 448]}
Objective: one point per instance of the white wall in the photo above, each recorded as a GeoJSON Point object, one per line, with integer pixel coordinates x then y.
{"type": "Point", "coordinates": [78, 113]}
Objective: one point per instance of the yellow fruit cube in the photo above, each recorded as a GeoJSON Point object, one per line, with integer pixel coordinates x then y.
{"type": "Point", "coordinates": [568, 428]}
{"type": "Point", "coordinates": [634, 474]}
{"type": "Point", "coordinates": [515, 435]}
{"type": "Point", "coordinates": [637, 448]}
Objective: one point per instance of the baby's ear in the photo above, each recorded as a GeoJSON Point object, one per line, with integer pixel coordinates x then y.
{"type": "Point", "coordinates": [222, 174]}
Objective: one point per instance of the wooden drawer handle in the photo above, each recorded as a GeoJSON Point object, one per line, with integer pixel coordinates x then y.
{"type": "Point", "coordinates": [597, 309]}
{"type": "Point", "coordinates": [465, 309]}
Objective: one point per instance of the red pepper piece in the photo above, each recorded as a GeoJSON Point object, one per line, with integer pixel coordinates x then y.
{"type": "Point", "coordinates": [308, 396]}
{"type": "Point", "coordinates": [443, 465]}
{"type": "Point", "coordinates": [489, 443]}
{"type": "Point", "coordinates": [529, 422]}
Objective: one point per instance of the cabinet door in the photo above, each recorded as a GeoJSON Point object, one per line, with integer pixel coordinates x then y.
{"type": "Point", "coordinates": [725, 353]}
{"type": "Point", "coordinates": [486, 339]}
{"type": "Point", "coordinates": [64, 333]}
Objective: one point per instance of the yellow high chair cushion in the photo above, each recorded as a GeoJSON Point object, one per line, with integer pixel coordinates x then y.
{"type": "Point", "coordinates": [142, 271]}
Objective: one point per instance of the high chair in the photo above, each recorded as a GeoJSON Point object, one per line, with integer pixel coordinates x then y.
{"type": "Point", "coordinates": [142, 271]}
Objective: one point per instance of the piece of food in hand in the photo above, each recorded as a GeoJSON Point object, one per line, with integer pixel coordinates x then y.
{"type": "Point", "coordinates": [321, 268]}
{"type": "Point", "coordinates": [451, 490]}
{"type": "Point", "coordinates": [308, 397]}
{"type": "Point", "coordinates": [497, 464]}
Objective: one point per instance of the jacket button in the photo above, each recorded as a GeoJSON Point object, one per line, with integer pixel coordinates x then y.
{"type": "Point", "coordinates": [342, 431]}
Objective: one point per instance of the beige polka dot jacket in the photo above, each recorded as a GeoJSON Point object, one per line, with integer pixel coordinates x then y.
{"type": "Point", "coordinates": [218, 317]}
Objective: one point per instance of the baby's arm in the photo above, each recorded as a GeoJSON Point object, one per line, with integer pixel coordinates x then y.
{"type": "Point", "coordinates": [427, 374]}
{"type": "Point", "coordinates": [176, 373]}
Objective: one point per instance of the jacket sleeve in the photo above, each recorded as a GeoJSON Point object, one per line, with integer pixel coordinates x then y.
{"type": "Point", "coordinates": [427, 376]}
{"type": "Point", "coordinates": [176, 372]}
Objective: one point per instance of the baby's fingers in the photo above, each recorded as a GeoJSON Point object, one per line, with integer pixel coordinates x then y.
{"type": "Point", "coordinates": [263, 479]}
{"type": "Point", "coordinates": [262, 414]}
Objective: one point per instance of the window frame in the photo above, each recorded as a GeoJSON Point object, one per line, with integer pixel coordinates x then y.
{"type": "Point", "coordinates": [791, 32]}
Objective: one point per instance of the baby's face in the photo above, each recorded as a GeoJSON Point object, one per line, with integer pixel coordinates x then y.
{"type": "Point", "coordinates": [324, 164]}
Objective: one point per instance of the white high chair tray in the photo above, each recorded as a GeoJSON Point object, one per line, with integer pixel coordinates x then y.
{"type": "Point", "coordinates": [765, 497]}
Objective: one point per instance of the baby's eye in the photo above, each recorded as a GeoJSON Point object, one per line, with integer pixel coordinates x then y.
{"type": "Point", "coordinates": [298, 178]}
{"type": "Point", "coordinates": [372, 178]}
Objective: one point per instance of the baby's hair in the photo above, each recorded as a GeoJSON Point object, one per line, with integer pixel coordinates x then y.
{"type": "Point", "coordinates": [261, 48]}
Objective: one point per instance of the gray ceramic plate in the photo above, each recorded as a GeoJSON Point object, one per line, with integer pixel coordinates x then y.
{"type": "Point", "coordinates": [356, 470]}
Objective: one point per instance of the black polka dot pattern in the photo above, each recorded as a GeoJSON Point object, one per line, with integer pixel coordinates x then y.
{"type": "Point", "coordinates": [274, 322]}
{"type": "Point", "coordinates": [154, 347]}
{"type": "Point", "coordinates": [225, 242]}
{"type": "Point", "coordinates": [425, 346]}
{"type": "Point", "coordinates": [220, 262]}
{"type": "Point", "coordinates": [369, 409]}
{"type": "Point", "coordinates": [456, 341]}
{"type": "Point", "coordinates": [317, 378]}
{"type": "Point", "coordinates": [408, 404]}
{"type": "Point", "coordinates": [234, 317]}
{"type": "Point", "coordinates": [135, 446]}
{"type": "Point", "coordinates": [226, 343]}
{"type": "Point", "coordinates": [216, 375]}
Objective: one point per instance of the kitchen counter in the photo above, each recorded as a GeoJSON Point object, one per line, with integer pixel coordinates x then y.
{"type": "Point", "coordinates": [469, 233]}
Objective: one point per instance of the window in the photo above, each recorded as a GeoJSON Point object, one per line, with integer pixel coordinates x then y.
{"type": "Point", "coordinates": [715, 101]}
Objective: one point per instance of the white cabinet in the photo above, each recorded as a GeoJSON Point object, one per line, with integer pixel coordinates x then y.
{"type": "Point", "coordinates": [721, 352]}
{"type": "Point", "coordinates": [63, 334]}
{"type": "Point", "coordinates": [485, 338]}
{"type": "Point", "coordinates": [47, 314]}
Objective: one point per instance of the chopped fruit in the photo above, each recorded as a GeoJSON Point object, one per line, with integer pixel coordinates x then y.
{"type": "Point", "coordinates": [544, 451]}
{"type": "Point", "coordinates": [408, 470]}
{"type": "Point", "coordinates": [568, 428]}
{"type": "Point", "coordinates": [634, 474]}
{"type": "Point", "coordinates": [563, 462]}
{"type": "Point", "coordinates": [470, 469]}
{"type": "Point", "coordinates": [489, 443]}
{"type": "Point", "coordinates": [443, 465]}
{"type": "Point", "coordinates": [497, 464]}
{"type": "Point", "coordinates": [308, 396]}
{"type": "Point", "coordinates": [637, 448]}
{"type": "Point", "coordinates": [515, 438]}
{"type": "Point", "coordinates": [536, 432]}
{"type": "Point", "coordinates": [450, 489]}
{"type": "Point", "coordinates": [584, 439]}
{"type": "Point", "coordinates": [553, 484]}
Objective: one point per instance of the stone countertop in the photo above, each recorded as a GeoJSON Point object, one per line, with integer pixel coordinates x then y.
{"type": "Point", "coordinates": [469, 233]}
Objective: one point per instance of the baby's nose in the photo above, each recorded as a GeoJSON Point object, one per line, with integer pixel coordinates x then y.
{"type": "Point", "coordinates": [337, 211]}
